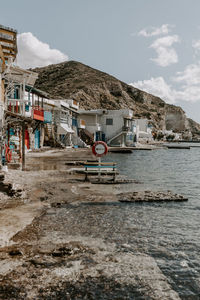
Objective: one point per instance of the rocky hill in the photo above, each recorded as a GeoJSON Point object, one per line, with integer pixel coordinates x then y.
{"type": "Point", "coordinates": [96, 89]}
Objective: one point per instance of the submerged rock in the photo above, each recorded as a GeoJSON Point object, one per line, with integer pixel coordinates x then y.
{"type": "Point", "coordinates": [149, 196]}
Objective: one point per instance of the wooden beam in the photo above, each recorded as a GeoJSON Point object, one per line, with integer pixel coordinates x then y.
{"type": "Point", "coordinates": [23, 146]}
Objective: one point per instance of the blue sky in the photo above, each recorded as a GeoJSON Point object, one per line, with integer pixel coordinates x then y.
{"type": "Point", "coordinates": [153, 44]}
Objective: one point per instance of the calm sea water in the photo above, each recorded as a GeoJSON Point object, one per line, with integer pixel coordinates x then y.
{"type": "Point", "coordinates": [169, 232]}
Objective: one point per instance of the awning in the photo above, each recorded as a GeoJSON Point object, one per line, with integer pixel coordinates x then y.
{"type": "Point", "coordinates": [63, 128]}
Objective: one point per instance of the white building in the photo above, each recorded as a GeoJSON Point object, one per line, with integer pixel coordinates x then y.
{"type": "Point", "coordinates": [112, 126]}
{"type": "Point", "coordinates": [63, 120]}
{"type": "Point", "coordinates": [142, 130]}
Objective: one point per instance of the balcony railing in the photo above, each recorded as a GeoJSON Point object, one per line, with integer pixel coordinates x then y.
{"type": "Point", "coordinates": [47, 117]}
{"type": "Point", "coordinates": [38, 113]}
{"type": "Point", "coordinates": [126, 128]}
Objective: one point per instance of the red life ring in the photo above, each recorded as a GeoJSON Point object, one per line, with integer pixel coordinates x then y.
{"type": "Point", "coordinates": [8, 154]}
{"type": "Point", "coordinates": [99, 148]}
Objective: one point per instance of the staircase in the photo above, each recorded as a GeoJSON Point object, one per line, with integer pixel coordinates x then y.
{"type": "Point", "coordinates": [117, 135]}
{"type": "Point", "coordinates": [76, 140]}
{"type": "Point", "coordinates": [49, 136]}
{"type": "Point", "coordinates": [86, 136]}
{"type": "Point", "coordinates": [49, 130]}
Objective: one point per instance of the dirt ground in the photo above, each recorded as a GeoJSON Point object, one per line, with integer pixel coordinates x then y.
{"type": "Point", "coordinates": [43, 257]}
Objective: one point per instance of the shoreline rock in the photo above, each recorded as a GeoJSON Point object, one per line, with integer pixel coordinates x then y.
{"type": "Point", "coordinates": [149, 196]}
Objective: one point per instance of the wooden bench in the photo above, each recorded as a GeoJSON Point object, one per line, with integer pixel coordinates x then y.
{"type": "Point", "coordinates": [99, 169]}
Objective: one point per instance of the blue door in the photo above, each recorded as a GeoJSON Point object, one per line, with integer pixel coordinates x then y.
{"type": "Point", "coordinates": [97, 136]}
{"type": "Point", "coordinates": [37, 139]}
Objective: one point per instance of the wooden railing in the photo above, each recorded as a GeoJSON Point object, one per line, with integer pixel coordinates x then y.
{"type": "Point", "coordinates": [38, 113]}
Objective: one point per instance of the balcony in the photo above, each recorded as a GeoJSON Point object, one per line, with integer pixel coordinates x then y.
{"type": "Point", "coordinates": [126, 128]}
{"type": "Point", "coordinates": [47, 117]}
{"type": "Point", "coordinates": [38, 113]}
{"type": "Point", "coordinates": [18, 107]}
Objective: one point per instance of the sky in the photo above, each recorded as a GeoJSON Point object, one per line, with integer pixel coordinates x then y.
{"type": "Point", "coordinates": [152, 44]}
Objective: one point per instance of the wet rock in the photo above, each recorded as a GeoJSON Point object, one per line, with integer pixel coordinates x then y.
{"type": "Point", "coordinates": [62, 252]}
{"type": "Point", "coordinates": [15, 253]}
{"type": "Point", "coordinates": [41, 263]}
{"type": "Point", "coordinates": [44, 198]}
{"type": "Point", "coordinates": [2, 176]}
{"type": "Point", "coordinates": [149, 196]}
{"type": "Point", "coordinates": [58, 204]}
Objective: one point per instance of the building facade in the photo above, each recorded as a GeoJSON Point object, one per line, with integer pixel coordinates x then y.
{"type": "Point", "coordinates": [112, 126]}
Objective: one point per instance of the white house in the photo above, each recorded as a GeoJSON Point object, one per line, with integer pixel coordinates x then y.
{"type": "Point", "coordinates": [142, 130]}
{"type": "Point", "coordinates": [111, 126]}
{"type": "Point", "coordinates": [62, 119]}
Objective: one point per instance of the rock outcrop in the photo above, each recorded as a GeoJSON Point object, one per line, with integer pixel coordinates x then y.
{"type": "Point", "coordinates": [149, 196]}
{"type": "Point", "coordinates": [96, 89]}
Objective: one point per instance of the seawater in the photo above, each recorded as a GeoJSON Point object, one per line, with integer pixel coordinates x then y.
{"type": "Point", "coordinates": [169, 232]}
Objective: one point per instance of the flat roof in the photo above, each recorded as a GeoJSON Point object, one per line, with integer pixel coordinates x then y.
{"type": "Point", "coordinates": [8, 28]}
{"type": "Point", "coordinates": [17, 75]}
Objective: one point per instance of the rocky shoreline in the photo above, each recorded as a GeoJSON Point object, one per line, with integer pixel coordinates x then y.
{"type": "Point", "coordinates": [50, 249]}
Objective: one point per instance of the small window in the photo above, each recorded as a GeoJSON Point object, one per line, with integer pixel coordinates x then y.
{"type": "Point", "coordinates": [109, 121]}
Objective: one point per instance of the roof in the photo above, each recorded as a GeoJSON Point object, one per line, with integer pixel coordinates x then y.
{"type": "Point", "coordinates": [8, 28]}
{"type": "Point", "coordinates": [17, 75]}
{"type": "Point", "coordinates": [37, 91]}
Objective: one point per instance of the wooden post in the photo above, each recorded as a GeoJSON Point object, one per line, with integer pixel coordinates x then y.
{"type": "Point", "coordinates": [23, 146]}
{"type": "Point", "coordinates": [23, 96]}
{"type": "Point", "coordinates": [20, 145]}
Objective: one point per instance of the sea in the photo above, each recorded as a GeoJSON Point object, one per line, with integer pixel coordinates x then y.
{"type": "Point", "coordinates": [169, 232]}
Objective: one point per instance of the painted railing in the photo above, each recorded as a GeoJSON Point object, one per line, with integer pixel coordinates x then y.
{"type": "Point", "coordinates": [47, 117]}
{"type": "Point", "coordinates": [38, 113]}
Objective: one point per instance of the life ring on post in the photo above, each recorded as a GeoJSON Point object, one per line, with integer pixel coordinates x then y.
{"type": "Point", "coordinates": [8, 154]}
{"type": "Point", "coordinates": [99, 148]}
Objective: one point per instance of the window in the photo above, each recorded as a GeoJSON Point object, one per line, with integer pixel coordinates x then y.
{"type": "Point", "coordinates": [109, 121]}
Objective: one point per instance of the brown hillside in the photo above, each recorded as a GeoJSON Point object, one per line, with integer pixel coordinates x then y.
{"type": "Point", "coordinates": [96, 89]}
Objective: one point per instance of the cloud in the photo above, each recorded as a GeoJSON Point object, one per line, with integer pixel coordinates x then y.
{"type": "Point", "coordinates": [154, 31]}
{"type": "Point", "coordinates": [190, 76]}
{"type": "Point", "coordinates": [196, 46]}
{"type": "Point", "coordinates": [185, 86]}
{"type": "Point", "coordinates": [189, 80]}
{"type": "Point", "coordinates": [34, 53]}
{"type": "Point", "coordinates": [158, 87]}
{"type": "Point", "coordinates": [166, 53]}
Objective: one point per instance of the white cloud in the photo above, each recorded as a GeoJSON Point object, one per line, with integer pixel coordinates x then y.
{"type": "Point", "coordinates": [154, 31]}
{"type": "Point", "coordinates": [196, 46]}
{"type": "Point", "coordinates": [189, 79]}
{"type": "Point", "coordinates": [190, 76]}
{"type": "Point", "coordinates": [158, 87]}
{"type": "Point", "coordinates": [189, 94]}
{"type": "Point", "coordinates": [34, 53]}
{"type": "Point", "coordinates": [185, 86]}
{"type": "Point", "coordinates": [166, 53]}
{"type": "Point", "coordinates": [166, 41]}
